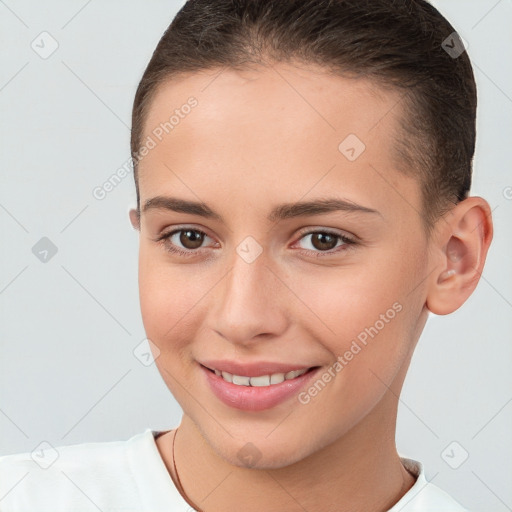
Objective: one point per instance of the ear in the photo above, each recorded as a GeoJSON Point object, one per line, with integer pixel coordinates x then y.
{"type": "Point", "coordinates": [135, 218]}
{"type": "Point", "coordinates": [461, 241]}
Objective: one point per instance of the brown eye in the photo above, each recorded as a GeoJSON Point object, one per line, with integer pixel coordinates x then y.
{"type": "Point", "coordinates": [184, 241]}
{"type": "Point", "coordinates": [324, 241]}
{"type": "Point", "coordinates": [191, 239]}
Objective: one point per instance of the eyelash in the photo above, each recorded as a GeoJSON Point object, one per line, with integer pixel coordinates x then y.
{"type": "Point", "coordinates": [348, 242]}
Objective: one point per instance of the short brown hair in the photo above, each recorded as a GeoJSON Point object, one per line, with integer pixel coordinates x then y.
{"type": "Point", "coordinates": [397, 43]}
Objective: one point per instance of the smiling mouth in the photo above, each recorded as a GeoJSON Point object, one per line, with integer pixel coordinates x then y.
{"type": "Point", "coordinates": [261, 380]}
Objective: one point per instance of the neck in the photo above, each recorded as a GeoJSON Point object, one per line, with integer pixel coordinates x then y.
{"type": "Point", "coordinates": [359, 471]}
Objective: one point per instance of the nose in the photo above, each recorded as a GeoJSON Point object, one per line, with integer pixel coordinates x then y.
{"type": "Point", "coordinates": [249, 303]}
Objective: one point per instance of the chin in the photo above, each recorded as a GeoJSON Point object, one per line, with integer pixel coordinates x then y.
{"type": "Point", "coordinates": [265, 452]}
{"type": "Point", "coordinates": [249, 457]}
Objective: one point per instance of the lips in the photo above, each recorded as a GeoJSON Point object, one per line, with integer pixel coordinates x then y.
{"type": "Point", "coordinates": [246, 396]}
{"type": "Point", "coordinates": [255, 369]}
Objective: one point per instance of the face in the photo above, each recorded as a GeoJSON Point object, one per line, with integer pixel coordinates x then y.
{"type": "Point", "coordinates": [248, 277]}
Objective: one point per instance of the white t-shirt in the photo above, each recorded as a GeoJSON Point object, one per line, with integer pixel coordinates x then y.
{"type": "Point", "coordinates": [130, 476]}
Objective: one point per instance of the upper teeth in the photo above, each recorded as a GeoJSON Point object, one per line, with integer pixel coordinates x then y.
{"type": "Point", "coordinates": [262, 380]}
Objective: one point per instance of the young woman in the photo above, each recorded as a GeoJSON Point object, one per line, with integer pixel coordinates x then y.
{"type": "Point", "coordinates": [302, 204]}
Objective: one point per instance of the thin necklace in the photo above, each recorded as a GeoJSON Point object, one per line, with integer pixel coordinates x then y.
{"type": "Point", "coordinates": [180, 487]}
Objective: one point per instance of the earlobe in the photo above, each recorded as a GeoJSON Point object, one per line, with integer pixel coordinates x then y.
{"type": "Point", "coordinates": [462, 244]}
{"type": "Point", "coordinates": [135, 219]}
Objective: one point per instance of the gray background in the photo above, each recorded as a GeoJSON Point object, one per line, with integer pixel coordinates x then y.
{"type": "Point", "coordinates": [69, 326]}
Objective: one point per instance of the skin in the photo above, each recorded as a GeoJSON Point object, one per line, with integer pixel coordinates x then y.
{"type": "Point", "coordinates": [258, 138]}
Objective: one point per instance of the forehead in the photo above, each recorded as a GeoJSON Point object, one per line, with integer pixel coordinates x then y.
{"type": "Point", "coordinates": [280, 129]}
{"type": "Point", "coordinates": [275, 98]}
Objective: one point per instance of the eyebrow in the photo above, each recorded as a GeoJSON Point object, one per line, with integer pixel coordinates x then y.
{"type": "Point", "coordinates": [280, 212]}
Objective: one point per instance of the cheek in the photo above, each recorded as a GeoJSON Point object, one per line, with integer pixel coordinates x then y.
{"type": "Point", "coordinates": [169, 308]}
{"type": "Point", "coordinates": [365, 321]}
{"type": "Point", "coordinates": [166, 299]}
{"type": "Point", "coordinates": [174, 301]}
{"type": "Point", "coordinates": [347, 300]}
{"type": "Point", "coordinates": [364, 315]}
